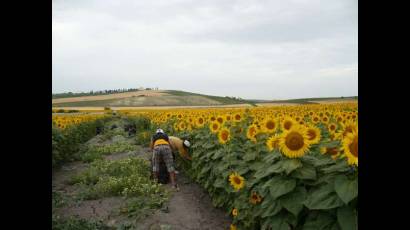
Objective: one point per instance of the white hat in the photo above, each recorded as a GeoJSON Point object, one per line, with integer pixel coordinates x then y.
{"type": "Point", "coordinates": [186, 143]}
{"type": "Point", "coordinates": [159, 131]}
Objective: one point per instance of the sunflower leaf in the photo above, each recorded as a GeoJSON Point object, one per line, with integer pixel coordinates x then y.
{"type": "Point", "coordinates": [263, 172]}
{"type": "Point", "coordinates": [249, 156]}
{"type": "Point", "coordinates": [271, 209]}
{"type": "Point", "coordinates": [340, 166]}
{"type": "Point", "coordinates": [318, 221]}
{"type": "Point", "coordinates": [346, 189]}
{"type": "Point", "coordinates": [271, 157]}
{"type": "Point", "coordinates": [279, 186]}
{"type": "Point", "coordinates": [323, 197]}
{"type": "Point", "coordinates": [278, 222]}
{"type": "Point", "coordinates": [289, 165]}
{"type": "Point", "coordinates": [293, 201]}
{"type": "Point", "coordinates": [307, 172]}
{"type": "Point", "coordinates": [347, 218]}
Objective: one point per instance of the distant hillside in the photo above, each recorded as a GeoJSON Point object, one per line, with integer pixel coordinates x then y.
{"type": "Point", "coordinates": [141, 98]}
{"type": "Point", "coordinates": [144, 98]}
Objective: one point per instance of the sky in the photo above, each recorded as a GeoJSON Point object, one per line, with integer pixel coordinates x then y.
{"type": "Point", "coordinates": [250, 49]}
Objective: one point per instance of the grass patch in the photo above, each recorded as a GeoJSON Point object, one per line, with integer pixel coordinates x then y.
{"type": "Point", "coordinates": [76, 223]}
{"type": "Point", "coordinates": [127, 177]}
{"type": "Point", "coordinates": [95, 152]}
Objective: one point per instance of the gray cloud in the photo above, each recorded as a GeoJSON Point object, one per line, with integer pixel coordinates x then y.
{"type": "Point", "coordinates": [251, 49]}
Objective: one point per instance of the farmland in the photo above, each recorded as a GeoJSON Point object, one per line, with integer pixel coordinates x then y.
{"type": "Point", "coordinates": [268, 167]}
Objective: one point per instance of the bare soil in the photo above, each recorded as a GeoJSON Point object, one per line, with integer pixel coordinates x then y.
{"type": "Point", "coordinates": [189, 208]}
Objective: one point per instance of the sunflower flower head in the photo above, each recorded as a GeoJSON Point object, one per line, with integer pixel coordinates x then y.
{"type": "Point", "coordinates": [236, 181]}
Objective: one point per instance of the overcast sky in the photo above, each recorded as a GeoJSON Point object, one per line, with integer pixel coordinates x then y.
{"type": "Point", "coordinates": [251, 49]}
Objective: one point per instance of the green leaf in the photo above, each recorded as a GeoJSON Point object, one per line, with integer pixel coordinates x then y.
{"type": "Point", "coordinates": [218, 154]}
{"type": "Point", "coordinates": [289, 165]}
{"type": "Point", "coordinates": [306, 172]}
{"type": "Point", "coordinates": [256, 166]}
{"type": "Point", "coordinates": [263, 172]}
{"type": "Point", "coordinates": [208, 145]}
{"type": "Point", "coordinates": [318, 221]}
{"type": "Point", "coordinates": [279, 186]}
{"type": "Point", "coordinates": [278, 222]}
{"type": "Point", "coordinates": [323, 197]}
{"type": "Point", "coordinates": [340, 166]}
{"type": "Point", "coordinates": [271, 157]}
{"type": "Point", "coordinates": [271, 209]}
{"type": "Point", "coordinates": [293, 201]}
{"type": "Point", "coordinates": [242, 170]}
{"type": "Point", "coordinates": [346, 217]}
{"type": "Point", "coordinates": [219, 183]}
{"type": "Point", "coordinates": [346, 189]}
{"type": "Point", "coordinates": [250, 156]}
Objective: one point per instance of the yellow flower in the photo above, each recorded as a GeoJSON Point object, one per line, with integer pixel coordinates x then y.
{"type": "Point", "coordinates": [237, 181]}
{"type": "Point", "coordinates": [224, 135]}
{"type": "Point", "coordinates": [234, 212]}
{"type": "Point", "coordinates": [269, 126]}
{"type": "Point", "coordinates": [255, 198]}
{"type": "Point", "coordinates": [232, 227]}
{"type": "Point", "coordinates": [273, 142]}
{"type": "Point", "coordinates": [288, 122]}
{"type": "Point", "coordinates": [252, 131]}
{"type": "Point", "coordinates": [214, 127]}
{"type": "Point", "coordinates": [237, 117]}
{"type": "Point", "coordinates": [294, 143]}
{"type": "Point", "coordinates": [351, 148]}
{"type": "Point", "coordinates": [313, 134]}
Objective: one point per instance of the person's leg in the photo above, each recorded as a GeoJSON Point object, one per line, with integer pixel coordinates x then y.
{"type": "Point", "coordinates": [155, 163]}
{"type": "Point", "coordinates": [169, 161]}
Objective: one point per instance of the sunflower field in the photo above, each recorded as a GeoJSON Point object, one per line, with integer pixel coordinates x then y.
{"type": "Point", "coordinates": [288, 167]}
{"type": "Point", "coordinates": [69, 132]}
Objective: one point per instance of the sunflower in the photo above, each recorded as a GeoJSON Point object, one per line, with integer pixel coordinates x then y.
{"type": "Point", "coordinates": [269, 126]}
{"type": "Point", "coordinates": [182, 125]}
{"type": "Point", "coordinates": [234, 212]}
{"type": "Point", "coordinates": [214, 127]}
{"type": "Point", "coordinates": [325, 119]}
{"type": "Point", "coordinates": [220, 119]}
{"type": "Point", "coordinates": [251, 132]}
{"type": "Point", "coordinates": [200, 121]}
{"type": "Point", "coordinates": [333, 151]}
{"type": "Point", "coordinates": [332, 127]}
{"type": "Point", "coordinates": [273, 142]}
{"type": "Point", "coordinates": [255, 198]}
{"type": "Point", "coordinates": [348, 127]}
{"type": "Point", "coordinates": [351, 147]}
{"type": "Point", "coordinates": [232, 227]}
{"type": "Point", "coordinates": [287, 123]}
{"type": "Point", "coordinates": [237, 117]}
{"type": "Point", "coordinates": [228, 117]}
{"type": "Point", "coordinates": [315, 119]}
{"type": "Point", "coordinates": [237, 181]}
{"type": "Point", "coordinates": [224, 135]}
{"type": "Point", "coordinates": [294, 142]}
{"type": "Point", "coordinates": [313, 134]}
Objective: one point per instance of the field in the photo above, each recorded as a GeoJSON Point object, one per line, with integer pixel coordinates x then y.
{"type": "Point", "coordinates": [146, 98]}
{"type": "Point", "coordinates": [268, 167]}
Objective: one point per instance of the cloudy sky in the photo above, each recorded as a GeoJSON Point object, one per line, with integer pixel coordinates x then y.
{"type": "Point", "coordinates": [251, 49]}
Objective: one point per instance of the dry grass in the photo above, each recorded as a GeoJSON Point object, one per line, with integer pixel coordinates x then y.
{"type": "Point", "coordinates": [147, 93]}
{"type": "Point", "coordinates": [336, 101]}
{"type": "Point", "coordinates": [150, 107]}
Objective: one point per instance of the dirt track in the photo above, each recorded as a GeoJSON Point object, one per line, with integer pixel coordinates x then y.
{"type": "Point", "coordinates": [190, 208]}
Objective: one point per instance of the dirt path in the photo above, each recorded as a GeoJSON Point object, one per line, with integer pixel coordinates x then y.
{"type": "Point", "coordinates": [190, 208]}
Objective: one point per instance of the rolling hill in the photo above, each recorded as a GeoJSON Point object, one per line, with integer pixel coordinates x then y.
{"type": "Point", "coordinates": [153, 98]}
